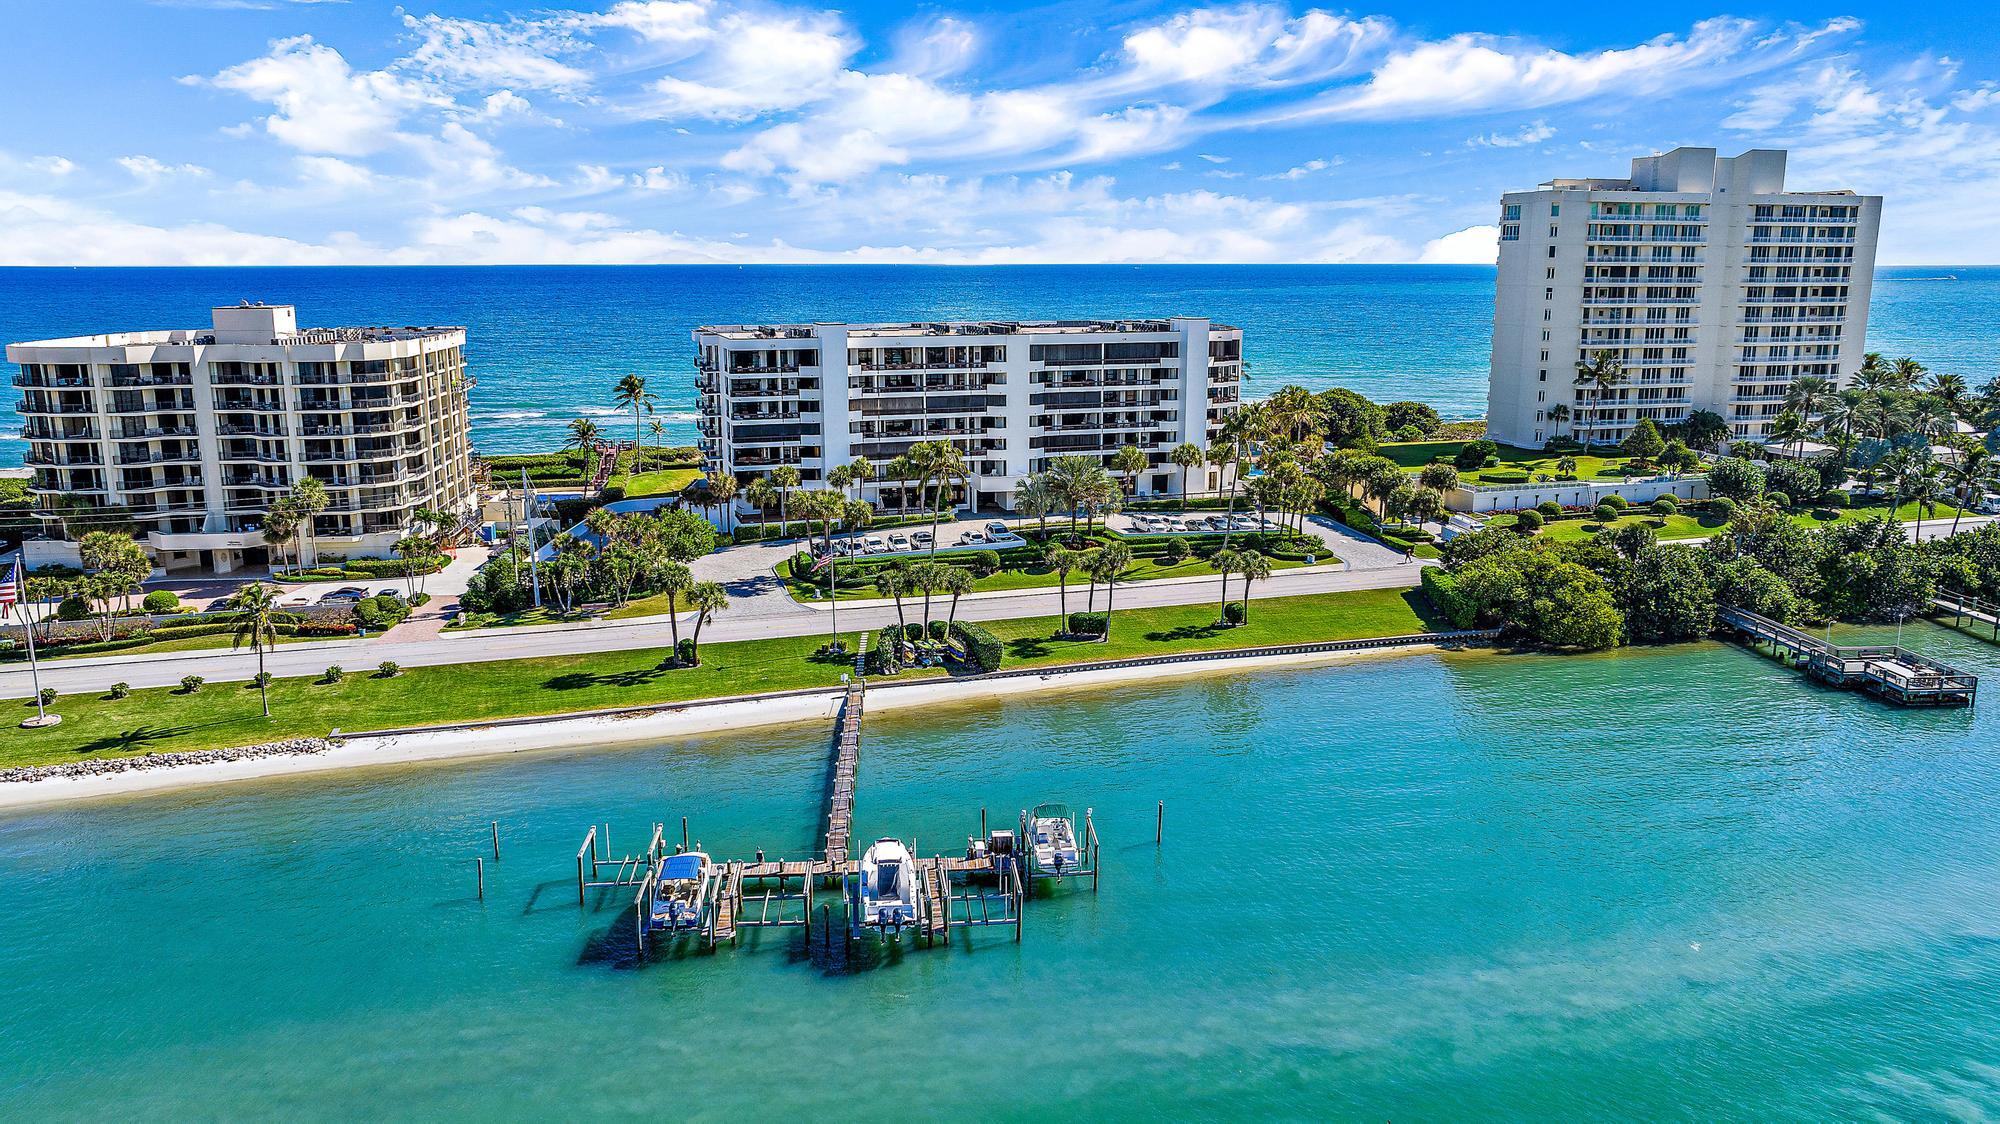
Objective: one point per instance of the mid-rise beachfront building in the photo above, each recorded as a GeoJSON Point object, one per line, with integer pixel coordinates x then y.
{"type": "Point", "coordinates": [1713, 285]}
{"type": "Point", "coordinates": [194, 434]}
{"type": "Point", "coordinates": [1011, 395]}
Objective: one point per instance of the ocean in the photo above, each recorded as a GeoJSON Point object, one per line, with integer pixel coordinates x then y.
{"type": "Point", "coordinates": [547, 343]}
{"type": "Point", "coordinates": [1466, 886]}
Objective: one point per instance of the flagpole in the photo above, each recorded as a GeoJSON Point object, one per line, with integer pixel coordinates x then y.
{"type": "Point", "coordinates": [42, 716]}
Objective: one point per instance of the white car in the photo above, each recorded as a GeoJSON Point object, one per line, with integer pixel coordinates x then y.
{"type": "Point", "coordinates": [921, 538]}
{"type": "Point", "coordinates": [873, 545]}
{"type": "Point", "coordinates": [997, 529]}
{"type": "Point", "coordinates": [899, 542]}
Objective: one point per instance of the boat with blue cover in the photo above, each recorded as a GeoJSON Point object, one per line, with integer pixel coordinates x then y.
{"type": "Point", "coordinates": [682, 892]}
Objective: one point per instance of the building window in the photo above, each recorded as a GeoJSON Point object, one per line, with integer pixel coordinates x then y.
{"type": "Point", "coordinates": [1511, 232]}
{"type": "Point", "coordinates": [1545, 374]}
{"type": "Point", "coordinates": [1555, 209]}
{"type": "Point", "coordinates": [1552, 251]}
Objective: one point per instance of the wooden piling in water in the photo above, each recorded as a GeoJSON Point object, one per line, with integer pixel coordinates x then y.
{"type": "Point", "coordinates": [496, 841]}
{"type": "Point", "coordinates": [481, 868]}
{"type": "Point", "coordinates": [1160, 823]}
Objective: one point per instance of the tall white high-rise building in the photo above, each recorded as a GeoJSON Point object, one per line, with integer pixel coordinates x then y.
{"type": "Point", "coordinates": [192, 435]}
{"type": "Point", "coordinates": [1711, 284]}
{"type": "Point", "coordinates": [1010, 395]}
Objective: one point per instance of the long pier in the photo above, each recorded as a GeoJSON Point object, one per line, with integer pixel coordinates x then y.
{"type": "Point", "coordinates": [840, 793]}
{"type": "Point", "coordinates": [1887, 671]}
{"type": "Point", "coordinates": [1964, 609]}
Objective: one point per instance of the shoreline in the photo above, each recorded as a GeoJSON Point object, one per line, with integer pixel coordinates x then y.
{"type": "Point", "coordinates": [495, 739]}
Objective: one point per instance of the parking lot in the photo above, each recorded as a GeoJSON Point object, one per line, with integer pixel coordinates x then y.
{"type": "Point", "coordinates": [964, 534]}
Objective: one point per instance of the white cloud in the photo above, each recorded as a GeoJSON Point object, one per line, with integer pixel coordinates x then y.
{"type": "Point", "coordinates": [1473, 73]}
{"type": "Point", "coordinates": [1301, 171]}
{"type": "Point", "coordinates": [44, 231]}
{"type": "Point", "coordinates": [1213, 159]}
{"type": "Point", "coordinates": [149, 170]}
{"type": "Point", "coordinates": [755, 63]}
{"type": "Point", "coordinates": [519, 53]}
{"type": "Point", "coordinates": [52, 165]}
{"type": "Point", "coordinates": [1534, 133]}
{"type": "Point", "coordinates": [1475, 245]}
{"type": "Point", "coordinates": [321, 104]}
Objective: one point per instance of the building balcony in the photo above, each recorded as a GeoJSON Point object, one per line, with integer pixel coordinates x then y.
{"type": "Point", "coordinates": [246, 380]}
{"type": "Point", "coordinates": [50, 460]}
{"type": "Point", "coordinates": [52, 382]}
{"type": "Point", "coordinates": [117, 407]}
{"type": "Point", "coordinates": [1677, 240]}
{"type": "Point", "coordinates": [26, 406]}
{"type": "Point", "coordinates": [153, 431]}
{"type": "Point", "coordinates": [248, 406]}
{"type": "Point", "coordinates": [158, 458]}
{"type": "Point", "coordinates": [125, 382]}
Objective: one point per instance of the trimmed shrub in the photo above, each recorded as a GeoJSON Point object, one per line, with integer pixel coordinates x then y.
{"type": "Point", "coordinates": [420, 600]}
{"type": "Point", "coordinates": [1665, 506]}
{"type": "Point", "coordinates": [1604, 513]}
{"type": "Point", "coordinates": [1779, 500]}
{"type": "Point", "coordinates": [381, 612]}
{"type": "Point", "coordinates": [333, 674]}
{"type": "Point", "coordinates": [388, 669]}
{"type": "Point", "coordinates": [261, 679]}
{"type": "Point", "coordinates": [1508, 476]}
{"type": "Point", "coordinates": [1178, 550]}
{"type": "Point", "coordinates": [1232, 612]}
{"type": "Point", "coordinates": [982, 648]}
{"type": "Point", "coordinates": [1474, 454]}
{"type": "Point", "coordinates": [48, 695]}
{"type": "Point", "coordinates": [161, 601]}
{"type": "Point", "coordinates": [984, 562]}
{"type": "Point", "coordinates": [191, 683]}
{"type": "Point", "coordinates": [885, 658]}
{"type": "Point", "coordinates": [1723, 507]}
{"type": "Point", "coordinates": [121, 690]}
{"type": "Point", "coordinates": [1087, 624]}
{"type": "Point", "coordinates": [1528, 522]}
{"type": "Point", "coordinates": [1549, 509]}
{"type": "Point", "coordinates": [685, 652]}
{"type": "Point", "coordinates": [938, 630]}
{"type": "Point", "coordinates": [184, 631]}
{"type": "Point", "coordinates": [1616, 501]}
{"type": "Point", "coordinates": [73, 609]}
{"type": "Point", "coordinates": [1443, 591]}
{"type": "Point", "coordinates": [320, 630]}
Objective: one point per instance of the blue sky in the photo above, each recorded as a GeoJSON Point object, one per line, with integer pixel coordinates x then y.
{"type": "Point", "coordinates": [344, 131]}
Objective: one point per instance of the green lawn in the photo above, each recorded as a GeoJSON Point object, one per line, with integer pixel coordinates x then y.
{"type": "Point", "coordinates": [1683, 527]}
{"type": "Point", "coordinates": [116, 648]}
{"type": "Point", "coordinates": [665, 481]}
{"type": "Point", "coordinates": [1037, 577]}
{"type": "Point", "coordinates": [226, 714]}
{"type": "Point", "coordinates": [1414, 455]}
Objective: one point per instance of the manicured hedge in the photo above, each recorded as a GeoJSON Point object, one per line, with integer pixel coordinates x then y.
{"type": "Point", "coordinates": [982, 648]}
{"type": "Point", "coordinates": [1443, 591]}
{"type": "Point", "coordinates": [1088, 624]}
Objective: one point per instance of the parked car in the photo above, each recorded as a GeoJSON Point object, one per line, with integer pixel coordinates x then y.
{"type": "Point", "coordinates": [345, 593]}
{"type": "Point", "coordinates": [921, 538]}
{"type": "Point", "coordinates": [973, 537]}
{"type": "Point", "coordinates": [874, 545]}
{"type": "Point", "coordinates": [899, 542]}
{"type": "Point", "coordinates": [1218, 522]}
{"type": "Point", "coordinates": [387, 592]}
{"type": "Point", "coordinates": [997, 529]}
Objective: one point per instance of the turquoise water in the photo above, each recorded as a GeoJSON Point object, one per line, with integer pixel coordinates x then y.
{"type": "Point", "coordinates": [547, 343]}
{"type": "Point", "coordinates": [1676, 883]}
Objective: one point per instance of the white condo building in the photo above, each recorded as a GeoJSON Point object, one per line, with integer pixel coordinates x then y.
{"type": "Point", "coordinates": [1713, 285]}
{"type": "Point", "coordinates": [193, 434]}
{"type": "Point", "coordinates": [1010, 395]}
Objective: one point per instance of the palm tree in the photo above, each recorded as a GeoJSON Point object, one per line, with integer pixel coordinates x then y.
{"type": "Point", "coordinates": [409, 549]}
{"type": "Point", "coordinates": [937, 462]}
{"type": "Point", "coordinates": [723, 488]}
{"type": "Point", "coordinates": [1187, 456]}
{"type": "Point", "coordinates": [1604, 373]}
{"type": "Point", "coordinates": [1559, 413]}
{"type": "Point", "coordinates": [1293, 411]}
{"type": "Point", "coordinates": [1130, 460]}
{"type": "Point", "coordinates": [1034, 499]}
{"type": "Point", "coordinates": [1254, 567]}
{"type": "Point", "coordinates": [925, 578]}
{"type": "Point", "coordinates": [310, 498]}
{"type": "Point", "coordinates": [1061, 560]}
{"type": "Point", "coordinates": [1968, 477]}
{"type": "Point", "coordinates": [1788, 429]}
{"type": "Point", "coordinates": [1810, 395]}
{"type": "Point", "coordinates": [658, 429]}
{"type": "Point", "coordinates": [675, 579]}
{"type": "Point", "coordinates": [256, 608]}
{"type": "Point", "coordinates": [706, 599]}
{"type": "Point", "coordinates": [784, 478]}
{"type": "Point", "coordinates": [1109, 561]}
{"type": "Point", "coordinates": [957, 581]}
{"type": "Point", "coordinates": [761, 495]}
{"type": "Point", "coordinates": [281, 522]}
{"type": "Point", "coordinates": [893, 581]}
{"type": "Point", "coordinates": [1224, 562]}
{"type": "Point", "coordinates": [860, 471]}
{"type": "Point", "coordinates": [631, 392]}
{"type": "Point", "coordinates": [583, 436]}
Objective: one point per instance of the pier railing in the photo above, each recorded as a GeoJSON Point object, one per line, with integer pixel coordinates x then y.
{"type": "Point", "coordinates": [1889, 670]}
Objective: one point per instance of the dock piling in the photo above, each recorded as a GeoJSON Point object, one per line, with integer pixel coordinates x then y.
{"type": "Point", "coordinates": [1160, 823]}
{"type": "Point", "coordinates": [496, 841]}
{"type": "Point", "coordinates": [481, 868]}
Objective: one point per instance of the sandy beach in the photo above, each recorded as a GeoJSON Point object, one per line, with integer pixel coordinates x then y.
{"type": "Point", "coordinates": [557, 733]}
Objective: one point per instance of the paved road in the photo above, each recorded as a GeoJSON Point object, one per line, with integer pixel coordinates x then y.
{"type": "Point", "coordinates": [82, 675]}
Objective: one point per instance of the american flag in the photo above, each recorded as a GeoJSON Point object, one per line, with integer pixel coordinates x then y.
{"type": "Point", "coordinates": [10, 586]}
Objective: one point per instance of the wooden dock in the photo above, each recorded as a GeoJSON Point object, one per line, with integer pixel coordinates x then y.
{"type": "Point", "coordinates": [1972, 609]}
{"type": "Point", "coordinates": [1889, 672]}
{"type": "Point", "coordinates": [840, 793]}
